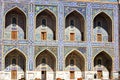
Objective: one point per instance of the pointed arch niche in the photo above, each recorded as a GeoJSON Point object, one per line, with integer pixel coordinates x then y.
{"type": "Point", "coordinates": [15, 62]}
{"type": "Point", "coordinates": [75, 65]}
{"type": "Point", "coordinates": [102, 25]}
{"type": "Point", "coordinates": [103, 64]}
{"type": "Point", "coordinates": [46, 63]}
{"type": "Point", "coordinates": [15, 24]}
{"type": "Point", "coordinates": [45, 26]}
{"type": "Point", "coordinates": [74, 27]}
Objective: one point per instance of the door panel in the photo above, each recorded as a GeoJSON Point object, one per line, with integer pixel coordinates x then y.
{"type": "Point", "coordinates": [72, 75]}
{"type": "Point", "coordinates": [43, 35]}
{"type": "Point", "coordinates": [72, 36]}
{"type": "Point", "coordinates": [14, 35]}
{"type": "Point", "coordinates": [99, 37]}
{"type": "Point", "coordinates": [99, 74]}
{"type": "Point", "coordinates": [43, 75]}
{"type": "Point", "coordinates": [14, 74]}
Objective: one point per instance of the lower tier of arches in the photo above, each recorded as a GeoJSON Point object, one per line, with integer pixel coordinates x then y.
{"type": "Point", "coordinates": [58, 75]}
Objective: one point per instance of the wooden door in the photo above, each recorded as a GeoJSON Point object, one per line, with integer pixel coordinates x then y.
{"type": "Point", "coordinates": [72, 75]}
{"type": "Point", "coordinates": [99, 73]}
{"type": "Point", "coordinates": [43, 36]}
{"type": "Point", "coordinates": [43, 75]}
{"type": "Point", "coordinates": [14, 74]}
{"type": "Point", "coordinates": [14, 35]}
{"type": "Point", "coordinates": [99, 37]}
{"type": "Point", "coordinates": [72, 36]}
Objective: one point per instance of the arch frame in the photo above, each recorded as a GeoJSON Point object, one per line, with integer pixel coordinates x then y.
{"type": "Point", "coordinates": [14, 8]}
{"type": "Point", "coordinates": [22, 12]}
{"type": "Point", "coordinates": [84, 18]}
{"type": "Point", "coordinates": [79, 53]}
{"type": "Point", "coordinates": [104, 52]}
{"type": "Point", "coordinates": [35, 17]}
{"type": "Point", "coordinates": [77, 12]}
{"type": "Point", "coordinates": [111, 19]}
{"type": "Point", "coordinates": [50, 52]}
{"type": "Point", "coordinates": [44, 10]}
{"type": "Point", "coordinates": [93, 17]}
{"type": "Point", "coordinates": [21, 52]}
{"type": "Point", "coordinates": [17, 50]}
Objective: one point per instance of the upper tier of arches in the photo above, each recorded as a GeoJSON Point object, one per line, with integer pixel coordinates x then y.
{"type": "Point", "coordinates": [46, 26]}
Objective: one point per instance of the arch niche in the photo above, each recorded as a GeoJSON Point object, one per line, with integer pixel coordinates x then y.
{"type": "Point", "coordinates": [103, 65]}
{"type": "Point", "coordinates": [15, 63]}
{"type": "Point", "coordinates": [15, 24]}
{"type": "Point", "coordinates": [46, 64]}
{"type": "Point", "coordinates": [46, 25]}
{"type": "Point", "coordinates": [75, 64]}
{"type": "Point", "coordinates": [102, 20]}
{"type": "Point", "coordinates": [75, 26]}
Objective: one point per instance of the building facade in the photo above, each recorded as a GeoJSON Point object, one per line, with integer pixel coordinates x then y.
{"type": "Point", "coordinates": [59, 39]}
